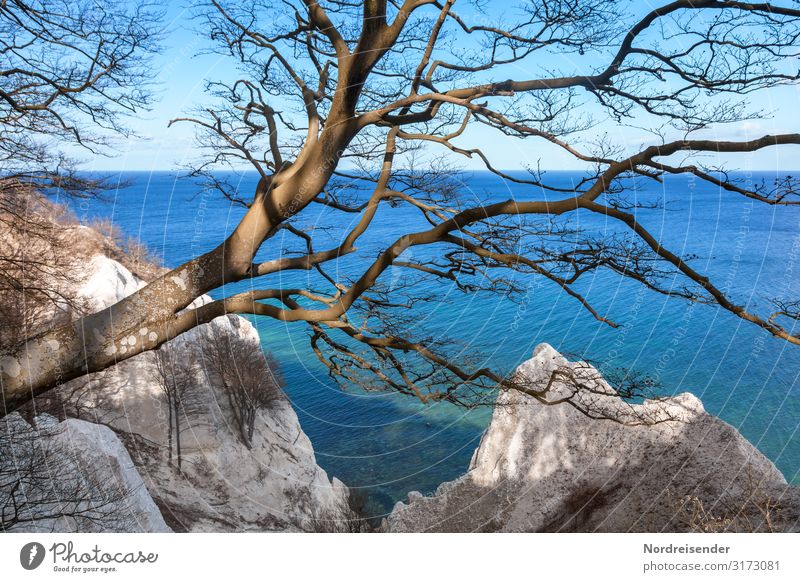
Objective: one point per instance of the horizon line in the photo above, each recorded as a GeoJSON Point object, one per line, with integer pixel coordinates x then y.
{"type": "Point", "coordinates": [177, 171]}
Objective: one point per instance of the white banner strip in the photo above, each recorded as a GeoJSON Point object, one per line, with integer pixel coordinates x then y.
{"type": "Point", "coordinates": [401, 557]}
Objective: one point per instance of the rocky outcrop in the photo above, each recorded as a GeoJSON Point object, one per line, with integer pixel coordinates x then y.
{"type": "Point", "coordinates": [662, 465]}
{"type": "Point", "coordinates": [221, 485]}
{"type": "Point", "coordinates": [105, 281]}
{"type": "Point", "coordinates": [667, 466]}
{"type": "Point", "coordinates": [71, 476]}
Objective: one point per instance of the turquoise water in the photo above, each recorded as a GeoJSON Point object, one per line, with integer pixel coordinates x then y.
{"type": "Point", "coordinates": [389, 444]}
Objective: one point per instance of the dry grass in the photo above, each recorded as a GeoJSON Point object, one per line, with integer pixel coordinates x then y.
{"type": "Point", "coordinates": [755, 512]}
{"type": "Point", "coordinates": [43, 252]}
{"type": "Point", "coordinates": [127, 250]}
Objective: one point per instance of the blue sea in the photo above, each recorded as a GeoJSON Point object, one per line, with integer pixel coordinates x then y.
{"type": "Point", "coordinates": [388, 444]}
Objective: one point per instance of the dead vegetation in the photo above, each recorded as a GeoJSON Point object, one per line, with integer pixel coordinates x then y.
{"type": "Point", "coordinates": [755, 511]}
{"type": "Point", "coordinates": [250, 379]}
{"type": "Point", "coordinates": [43, 253]}
{"type": "Point", "coordinates": [174, 375]}
{"type": "Point", "coordinates": [39, 269]}
{"type": "Point", "coordinates": [132, 253]}
{"type": "Point", "coordinates": [42, 486]}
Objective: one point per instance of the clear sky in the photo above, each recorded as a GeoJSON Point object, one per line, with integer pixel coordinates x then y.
{"type": "Point", "coordinates": [181, 73]}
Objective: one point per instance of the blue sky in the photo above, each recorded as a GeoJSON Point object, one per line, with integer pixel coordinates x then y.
{"type": "Point", "coordinates": [181, 74]}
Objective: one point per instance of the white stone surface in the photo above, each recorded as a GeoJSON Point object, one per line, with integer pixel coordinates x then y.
{"type": "Point", "coordinates": [72, 457]}
{"type": "Point", "coordinates": [106, 282]}
{"type": "Point", "coordinates": [551, 468]}
{"type": "Point", "coordinates": [223, 485]}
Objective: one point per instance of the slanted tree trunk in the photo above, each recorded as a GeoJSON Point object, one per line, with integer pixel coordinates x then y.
{"type": "Point", "coordinates": [147, 318]}
{"type": "Point", "coordinates": [416, 102]}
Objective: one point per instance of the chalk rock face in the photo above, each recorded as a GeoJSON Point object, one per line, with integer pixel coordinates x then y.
{"type": "Point", "coordinates": [106, 282]}
{"type": "Point", "coordinates": [667, 466]}
{"type": "Point", "coordinates": [221, 485]}
{"type": "Point", "coordinates": [73, 476]}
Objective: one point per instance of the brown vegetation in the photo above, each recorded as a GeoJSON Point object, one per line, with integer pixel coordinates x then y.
{"type": "Point", "coordinates": [43, 256]}
{"type": "Point", "coordinates": [249, 378]}
{"type": "Point", "coordinates": [387, 85]}
{"type": "Point", "coordinates": [41, 485]}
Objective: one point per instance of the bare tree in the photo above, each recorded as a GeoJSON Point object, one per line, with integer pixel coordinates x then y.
{"type": "Point", "coordinates": [249, 377]}
{"type": "Point", "coordinates": [38, 270]}
{"type": "Point", "coordinates": [70, 72]}
{"type": "Point", "coordinates": [387, 84]}
{"type": "Point", "coordinates": [174, 374]}
{"type": "Point", "coordinates": [42, 487]}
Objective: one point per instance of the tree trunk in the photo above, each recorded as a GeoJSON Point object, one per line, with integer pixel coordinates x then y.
{"type": "Point", "coordinates": [178, 432]}
{"type": "Point", "coordinates": [251, 422]}
{"type": "Point", "coordinates": [169, 431]}
{"type": "Point", "coordinates": [147, 318]}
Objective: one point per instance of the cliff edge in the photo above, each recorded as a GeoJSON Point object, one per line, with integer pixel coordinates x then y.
{"type": "Point", "coordinates": [271, 483]}
{"type": "Point", "coordinates": [666, 465]}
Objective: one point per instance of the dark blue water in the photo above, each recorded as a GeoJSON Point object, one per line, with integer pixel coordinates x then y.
{"type": "Point", "coordinates": [390, 444]}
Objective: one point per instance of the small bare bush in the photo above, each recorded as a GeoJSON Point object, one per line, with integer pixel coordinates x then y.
{"type": "Point", "coordinates": [127, 250]}
{"type": "Point", "coordinates": [249, 377]}
{"type": "Point", "coordinates": [755, 512]}
{"type": "Point", "coordinates": [174, 374]}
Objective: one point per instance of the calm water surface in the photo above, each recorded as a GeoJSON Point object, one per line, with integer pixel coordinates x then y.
{"type": "Point", "coordinates": [390, 444]}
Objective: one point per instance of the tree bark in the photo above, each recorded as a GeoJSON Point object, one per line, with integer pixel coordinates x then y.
{"type": "Point", "coordinates": [148, 318]}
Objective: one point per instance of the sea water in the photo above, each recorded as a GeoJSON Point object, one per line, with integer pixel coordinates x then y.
{"type": "Point", "coordinates": [387, 444]}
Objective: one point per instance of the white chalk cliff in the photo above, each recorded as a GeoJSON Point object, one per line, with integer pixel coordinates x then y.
{"type": "Point", "coordinates": [670, 467]}
{"type": "Point", "coordinates": [222, 484]}
{"type": "Point", "coordinates": [667, 466]}
{"type": "Point", "coordinates": [71, 476]}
